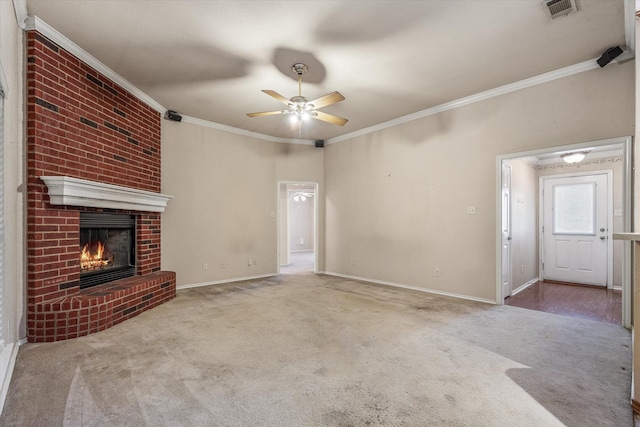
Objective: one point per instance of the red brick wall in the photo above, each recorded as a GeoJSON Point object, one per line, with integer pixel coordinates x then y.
{"type": "Point", "coordinates": [80, 124]}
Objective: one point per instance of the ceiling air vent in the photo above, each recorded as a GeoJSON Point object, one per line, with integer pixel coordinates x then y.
{"type": "Point", "coordinates": [557, 8]}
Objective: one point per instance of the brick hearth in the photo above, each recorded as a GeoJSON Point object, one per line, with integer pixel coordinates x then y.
{"type": "Point", "coordinates": [100, 307]}
{"type": "Point", "coordinates": [82, 125]}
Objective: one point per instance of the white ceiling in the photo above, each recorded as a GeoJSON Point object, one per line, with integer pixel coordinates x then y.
{"type": "Point", "coordinates": [210, 59]}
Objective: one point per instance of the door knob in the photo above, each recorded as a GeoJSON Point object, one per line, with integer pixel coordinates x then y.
{"type": "Point", "coordinates": [602, 237]}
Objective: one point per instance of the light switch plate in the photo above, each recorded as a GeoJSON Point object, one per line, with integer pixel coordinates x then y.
{"type": "Point", "coordinates": [471, 210]}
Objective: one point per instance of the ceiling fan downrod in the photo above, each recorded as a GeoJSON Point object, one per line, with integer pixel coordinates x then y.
{"type": "Point", "coordinates": [299, 68]}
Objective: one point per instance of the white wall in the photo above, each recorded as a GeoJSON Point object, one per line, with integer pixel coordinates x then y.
{"type": "Point", "coordinates": [396, 199]}
{"type": "Point", "coordinates": [14, 283]}
{"type": "Point", "coordinates": [524, 232]}
{"type": "Point", "coordinates": [224, 189]}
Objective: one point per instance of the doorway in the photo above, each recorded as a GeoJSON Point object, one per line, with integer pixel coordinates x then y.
{"type": "Point", "coordinates": [548, 162]}
{"type": "Point", "coordinates": [297, 227]}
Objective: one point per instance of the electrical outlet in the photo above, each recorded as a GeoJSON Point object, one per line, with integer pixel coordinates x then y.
{"type": "Point", "coordinates": [353, 261]}
{"type": "Point", "coordinates": [437, 272]}
{"type": "Point", "coordinates": [249, 262]}
{"type": "Point", "coordinates": [471, 210]}
{"type": "Point", "coordinates": [205, 266]}
{"type": "Point", "coordinates": [223, 264]}
{"type": "Point", "coordinates": [521, 268]}
{"type": "Point", "coordinates": [254, 262]}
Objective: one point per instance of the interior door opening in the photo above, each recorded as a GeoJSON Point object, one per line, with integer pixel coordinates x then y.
{"type": "Point", "coordinates": [523, 259]}
{"type": "Point", "coordinates": [297, 227]}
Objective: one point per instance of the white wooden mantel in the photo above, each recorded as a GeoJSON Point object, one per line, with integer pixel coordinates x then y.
{"type": "Point", "coordinates": [65, 190]}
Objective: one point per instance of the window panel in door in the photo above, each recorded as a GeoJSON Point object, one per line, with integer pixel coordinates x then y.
{"type": "Point", "coordinates": [574, 208]}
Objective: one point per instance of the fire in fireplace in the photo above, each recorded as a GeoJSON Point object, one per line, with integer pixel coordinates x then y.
{"type": "Point", "coordinates": [107, 247]}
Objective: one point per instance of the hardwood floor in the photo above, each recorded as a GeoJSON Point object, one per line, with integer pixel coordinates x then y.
{"type": "Point", "coordinates": [586, 302]}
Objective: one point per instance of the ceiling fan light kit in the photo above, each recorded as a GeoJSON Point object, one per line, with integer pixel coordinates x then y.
{"type": "Point", "coordinates": [300, 108]}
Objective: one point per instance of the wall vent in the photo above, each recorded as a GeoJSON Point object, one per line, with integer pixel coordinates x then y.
{"type": "Point", "coordinates": [558, 8]}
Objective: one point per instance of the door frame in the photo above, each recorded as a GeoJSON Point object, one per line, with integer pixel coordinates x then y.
{"type": "Point", "coordinates": [279, 214]}
{"type": "Point", "coordinates": [506, 164]}
{"type": "Point", "coordinates": [609, 175]}
{"type": "Point", "coordinates": [627, 261]}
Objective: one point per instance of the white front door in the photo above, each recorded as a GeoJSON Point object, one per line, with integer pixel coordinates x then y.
{"type": "Point", "coordinates": [506, 230]}
{"type": "Point", "coordinates": [575, 234]}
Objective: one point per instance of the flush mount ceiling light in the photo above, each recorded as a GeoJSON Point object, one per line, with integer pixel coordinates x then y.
{"type": "Point", "coordinates": [575, 157]}
{"type": "Point", "coordinates": [300, 196]}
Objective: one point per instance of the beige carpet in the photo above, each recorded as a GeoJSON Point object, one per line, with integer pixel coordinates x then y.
{"type": "Point", "coordinates": [320, 351]}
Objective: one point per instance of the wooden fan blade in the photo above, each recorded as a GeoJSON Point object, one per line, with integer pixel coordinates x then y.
{"type": "Point", "coordinates": [277, 96]}
{"type": "Point", "coordinates": [329, 99]}
{"type": "Point", "coordinates": [330, 118]}
{"type": "Point", "coordinates": [264, 113]}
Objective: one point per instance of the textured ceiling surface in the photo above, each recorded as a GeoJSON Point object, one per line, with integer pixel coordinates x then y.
{"type": "Point", "coordinates": [211, 59]}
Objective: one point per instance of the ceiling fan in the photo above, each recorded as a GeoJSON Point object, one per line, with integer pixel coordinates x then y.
{"type": "Point", "coordinates": [300, 108]}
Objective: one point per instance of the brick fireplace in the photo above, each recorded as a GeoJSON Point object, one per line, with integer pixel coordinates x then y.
{"type": "Point", "coordinates": [91, 147]}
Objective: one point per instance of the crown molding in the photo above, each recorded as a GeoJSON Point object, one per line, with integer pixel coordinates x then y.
{"type": "Point", "coordinates": [32, 22]}
{"type": "Point", "coordinates": [20, 8]}
{"type": "Point", "coordinates": [243, 132]}
{"type": "Point", "coordinates": [483, 96]}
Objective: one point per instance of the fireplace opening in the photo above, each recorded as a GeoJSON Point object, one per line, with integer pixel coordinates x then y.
{"type": "Point", "coordinates": [107, 247]}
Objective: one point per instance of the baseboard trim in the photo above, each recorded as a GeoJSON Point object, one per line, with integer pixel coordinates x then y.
{"type": "Point", "coordinates": [525, 286]}
{"type": "Point", "coordinates": [413, 288]}
{"type": "Point", "coordinates": [221, 282]}
{"type": "Point", "coordinates": [7, 363]}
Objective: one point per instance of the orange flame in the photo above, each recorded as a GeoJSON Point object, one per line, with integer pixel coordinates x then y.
{"type": "Point", "coordinates": [95, 261]}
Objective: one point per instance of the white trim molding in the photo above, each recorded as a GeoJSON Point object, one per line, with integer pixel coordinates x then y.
{"type": "Point", "coordinates": [244, 132]}
{"type": "Point", "coordinates": [524, 286]}
{"type": "Point", "coordinates": [20, 8]}
{"type": "Point", "coordinates": [34, 23]}
{"type": "Point", "coordinates": [581, 67]}
{"type": "Point", "coordinates": [8, 357]}
{"type": "Point", "coordinates": [413, 288]}
{"type": "Point", "coordinates": [65, 190]}
{"type": "Point", "coordinates": [222, 282]}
